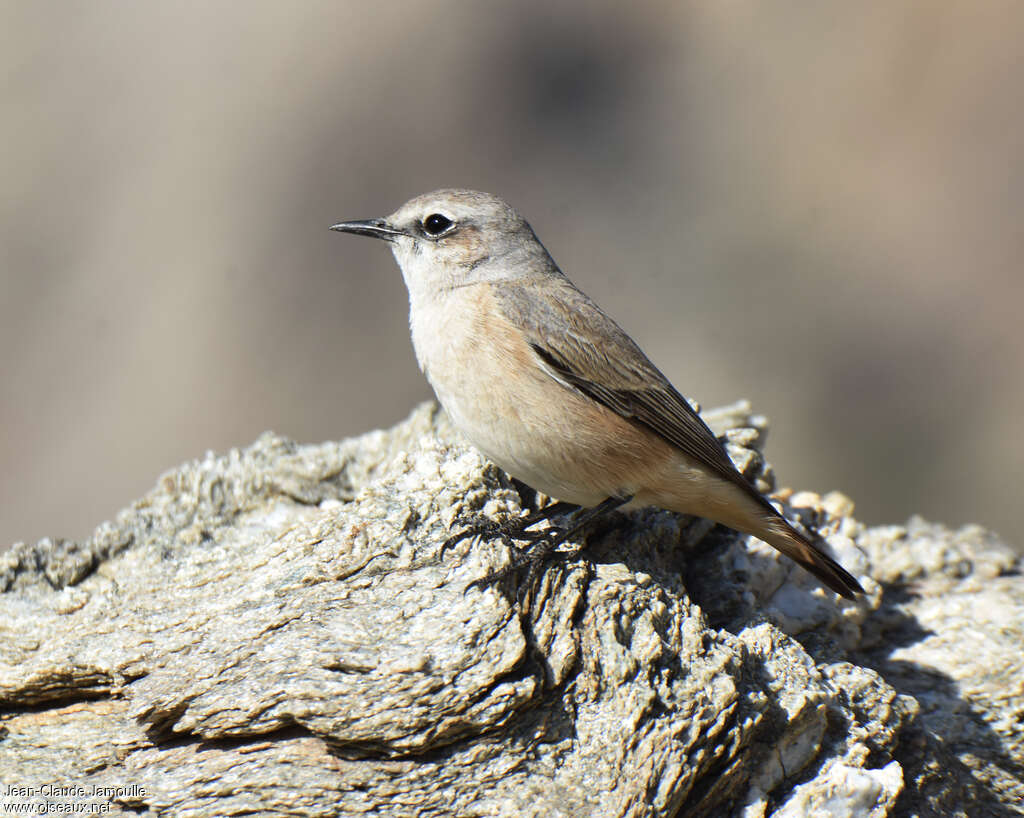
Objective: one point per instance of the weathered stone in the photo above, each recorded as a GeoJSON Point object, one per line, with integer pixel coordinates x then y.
{"type": "Point", "coordinates": [277, 631]}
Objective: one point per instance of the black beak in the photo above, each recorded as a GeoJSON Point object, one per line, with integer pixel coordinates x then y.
{"type": "Point", "coordinates": [374, 228]}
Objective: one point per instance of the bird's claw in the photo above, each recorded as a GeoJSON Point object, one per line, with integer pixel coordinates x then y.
{"type": "Point", "coordinates": [541, 549]}
{"type": "Point", "coordinates": [541, 546]}
{"type": "Point", "coordinates": [514, 528]}
{"type": "Point", "coordinates": [476, 524]}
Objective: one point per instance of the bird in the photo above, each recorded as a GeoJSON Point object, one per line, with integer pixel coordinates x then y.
{"type": "Point", "coordinates": [547, 386]}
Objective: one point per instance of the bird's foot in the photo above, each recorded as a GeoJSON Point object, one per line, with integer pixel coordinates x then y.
{"type": "Point", "coordinates": [541, 546]}
{"type": "Point", "coordinates": [541, 550]}
{"type": "Point", "coordinates": [514, 528]}
{"type": "Point", "coordinates": [538, 546]}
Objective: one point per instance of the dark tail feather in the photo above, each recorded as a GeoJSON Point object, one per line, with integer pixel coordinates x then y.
{"type": "Point", "coordinates": [805, 553]}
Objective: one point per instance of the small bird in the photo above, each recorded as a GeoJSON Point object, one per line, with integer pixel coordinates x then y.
{"type": "Point", "coordinates": [551, 389]}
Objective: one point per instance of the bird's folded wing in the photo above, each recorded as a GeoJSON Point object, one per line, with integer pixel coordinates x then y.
{"type": "Point", "coordinates": [585, 349]}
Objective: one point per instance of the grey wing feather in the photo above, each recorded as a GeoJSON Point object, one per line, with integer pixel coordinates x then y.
{"type": "Point", "coordinates": [584, 349]}
{"type": "Point", "coordinates": [588, 351]}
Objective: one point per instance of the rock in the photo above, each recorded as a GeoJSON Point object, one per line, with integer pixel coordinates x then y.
{"type": "Point", "coordinates": [276, 631]}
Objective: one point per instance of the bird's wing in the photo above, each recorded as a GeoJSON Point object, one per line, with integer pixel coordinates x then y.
{"type": "Point", "coordinates": [586, 350]}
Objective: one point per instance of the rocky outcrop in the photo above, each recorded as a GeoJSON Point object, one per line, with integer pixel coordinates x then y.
{"type": "Point", "coordinates": [276, 631]}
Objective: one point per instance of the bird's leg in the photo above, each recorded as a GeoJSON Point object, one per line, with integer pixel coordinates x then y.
{"type": "Point", "coordinates": [545, 545]}
{"type": "Point", "coordinates": [511, 529]}
{"type": "Point", "coordinates": [545, 549]}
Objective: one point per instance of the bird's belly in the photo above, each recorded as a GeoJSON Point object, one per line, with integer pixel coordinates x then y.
{"type": "Point", "coordinates": [547, 435]}
{"type": "Point", "coordinates": [550, 436]}
{"type": "Point", "coordinates": [527, 444]}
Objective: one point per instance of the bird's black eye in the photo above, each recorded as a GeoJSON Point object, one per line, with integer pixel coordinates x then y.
{"type": "Point", "coordinates": [435, 224]}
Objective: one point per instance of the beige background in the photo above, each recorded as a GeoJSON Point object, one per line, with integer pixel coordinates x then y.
{"type": "Point", "coordinates": [813, 205]}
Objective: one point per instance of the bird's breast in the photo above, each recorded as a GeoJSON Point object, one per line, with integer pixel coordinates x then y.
{"type": "Point", "coordinates": [479, 367]}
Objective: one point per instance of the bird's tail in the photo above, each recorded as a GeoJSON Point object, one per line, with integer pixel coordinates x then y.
{"type": "Point", "coordinates": [799, 548]}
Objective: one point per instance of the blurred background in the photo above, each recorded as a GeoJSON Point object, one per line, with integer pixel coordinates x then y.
{"type": "Point", "coordinates": [816, 206]}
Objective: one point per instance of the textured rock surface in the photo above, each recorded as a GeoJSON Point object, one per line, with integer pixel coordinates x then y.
{"type": "Point", "coordinates": [275, 631]}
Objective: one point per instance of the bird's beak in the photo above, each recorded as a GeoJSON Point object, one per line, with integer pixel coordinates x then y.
{"type": "Point", "coordinates": [374, 228]}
